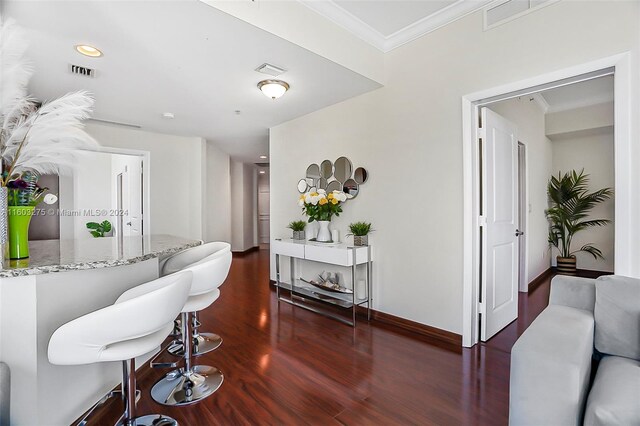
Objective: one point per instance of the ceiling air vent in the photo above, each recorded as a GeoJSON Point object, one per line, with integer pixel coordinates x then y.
{"type": "Point", "coordinates": [502, 11]}
{"type": "Point", "coordinates": [84, 71]}
{"type": "Point", "coordinates": [271, 70]}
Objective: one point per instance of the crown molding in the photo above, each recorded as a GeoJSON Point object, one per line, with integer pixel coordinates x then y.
{"type": "Point", "coordinates": [330, 10]}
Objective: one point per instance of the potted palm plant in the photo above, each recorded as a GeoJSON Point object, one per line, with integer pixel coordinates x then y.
{"type": "Point", "coordinates": [360, 232]}
{"type": "Point", "coordinates": [297, 227]}
{"type": "Point", "coordinates": [570, 203]}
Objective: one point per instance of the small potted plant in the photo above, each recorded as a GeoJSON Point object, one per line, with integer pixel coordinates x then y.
{"type": "Point", "coordinates": [297, 227]}
{"type": "Point", "coordinates": [570, 203]}
{"type": "Point", "coordinates": [360, 232]}
{"type": "Point", "coordinates": [99, 229]}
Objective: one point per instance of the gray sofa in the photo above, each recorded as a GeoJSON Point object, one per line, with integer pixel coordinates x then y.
{"type": "Point", "coordinates": [587, 322]}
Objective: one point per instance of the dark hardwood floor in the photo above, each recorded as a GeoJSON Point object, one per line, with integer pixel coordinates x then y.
{"type": "Point", "coordinates": [284, 365]}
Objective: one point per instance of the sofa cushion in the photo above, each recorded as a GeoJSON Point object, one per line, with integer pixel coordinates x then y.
{"type": "Point", "coordinates": [617, 315]}
{"type": "Point", "coordinates": [550, 368]}
{"type": "Point", "coordinates": [615, 395]}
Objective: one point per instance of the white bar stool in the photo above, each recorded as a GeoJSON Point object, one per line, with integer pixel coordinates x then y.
{"type": "Point", "coordinates": [210, 265]}
{"type": "Point", "coordinates": [201, 342]}
{"type": "Point", "coordinates": [136, 324]}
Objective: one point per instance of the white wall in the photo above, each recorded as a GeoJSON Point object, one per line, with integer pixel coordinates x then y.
{"type": "Point", "coordinates": [530, 121]}
{"type": "Point", "coordinates": [218, 195]}
{"type": "Point", "coordinates": [243, 205]}
{"type": "Point", "coordinates": [594, 153]}
{"type": "Point", "coordinates": [176, 175]}
{"type": "Point", "coordinates": [88, 190]}
{"type": "Point", "coordinates": [411, 131]}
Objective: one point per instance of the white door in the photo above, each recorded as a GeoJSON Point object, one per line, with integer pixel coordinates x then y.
{"type": "Point", "coordinates": [500, 209]}
{"type": "Point", "coordinates": [128, 171]}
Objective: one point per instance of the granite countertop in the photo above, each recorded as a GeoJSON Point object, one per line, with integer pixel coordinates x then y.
{"type": "Point", "coordinates": [70, 255]}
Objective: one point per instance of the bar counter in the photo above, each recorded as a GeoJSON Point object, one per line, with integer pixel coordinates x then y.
{"type": "Point", "coordinates": [60, 281]}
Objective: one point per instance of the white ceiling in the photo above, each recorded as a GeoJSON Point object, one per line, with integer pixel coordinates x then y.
{"type": "Point", "coordinates": [578, 95]}
{"type": "Point", "coordinates": [387, 24]}
{"type": "Point", "coordinates": [182, 57]}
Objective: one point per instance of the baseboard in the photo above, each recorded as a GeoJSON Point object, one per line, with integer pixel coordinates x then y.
{"type": "Point", "coordinates": [416, 327]}
{"type": "Point", "coordinates": [399, 323]}
{"type": "Point", "coordinates": [541, 278]}
{"type": "Point", "coordinates": [246, 252]}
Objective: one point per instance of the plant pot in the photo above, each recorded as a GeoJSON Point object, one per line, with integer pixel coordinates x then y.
{"type": "Point", "coordinates": [4, 224]}
{"type": "Point", "coordinates": [324, 234]}
{"type": "Point", "coordinates": [360, 240]}
{"type": "Point", "coordinates": [566, 265]}
{"type": "Point", "coordinates": [19, 220]}
{"type": "Point", "coordinates": [298, 235]}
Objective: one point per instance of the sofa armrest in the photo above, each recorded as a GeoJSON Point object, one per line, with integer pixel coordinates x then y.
{"type": "Point", "coordinates": [574, 292]}
{"type": "Point", "coordinates": [550, 368]}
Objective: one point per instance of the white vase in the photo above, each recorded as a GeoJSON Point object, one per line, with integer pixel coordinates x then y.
{"type": "Point", "coordinates": [324, 234]}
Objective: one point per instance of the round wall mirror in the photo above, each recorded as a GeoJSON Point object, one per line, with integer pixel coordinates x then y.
{"type": "Point", "coordinates": [334, 186]}
{"type": "Point", "coordinates": [302, 186]}
{"type": "Point", "coordinates": [350, 187]}
{"type": "Point", "coordinates": [313, 171]}
{"type": "Point", "coordinates": [342, 169]}
{"type": "Point", "coordinates": [360, 175]}
{"type": "Point", "coordinates": [326, 169]}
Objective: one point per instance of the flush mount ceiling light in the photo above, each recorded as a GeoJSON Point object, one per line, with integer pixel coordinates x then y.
{"type": "Point", "coordinates": [87, 50]}
{"type": "Point", "coordinates": [263, 157]}
{"type": "Point", "coordinates": [273, 88]}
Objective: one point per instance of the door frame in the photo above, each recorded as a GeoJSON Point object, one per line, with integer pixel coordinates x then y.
{"type": "Point", "coordinates": [523, 220]}
{"type": "Point", "coordinates": [619, 66]}
{"type": "Point", "coordinates": [145, 157]}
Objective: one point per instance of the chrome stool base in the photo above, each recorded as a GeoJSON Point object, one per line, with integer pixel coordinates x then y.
{"type": "Point", "coordinates": [202, 344]}
{"type": "Point", "coordinates": [149, 420]}
{"type": "Point", "coordinates": [183, 388]}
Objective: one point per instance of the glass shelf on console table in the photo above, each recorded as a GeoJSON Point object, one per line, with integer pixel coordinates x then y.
{"type": "Point", "coordinates": [340, 255]}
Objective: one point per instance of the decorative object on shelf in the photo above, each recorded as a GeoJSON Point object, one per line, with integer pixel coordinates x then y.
{"type": "Point", "coordinates": [99, 229]}
{"type": "Point", "coordinates": [335, 235]}
{"type": "Point", "coordinates": [336, 176]}
{"type": "Point", "coordinates": [23, 195]}
{"type": "Point", "coordinates": [360, 232]}
{"type": "Point", "coordinates": [321, 207]}
{"type": "Point", "coordinates": [329, 282]}
{"type": "Point", "coordinates": [34, 138]}
{"type": "Point", "coordinates": [570, 204]}
{"type": "Point", "coordinates": [298, 229]}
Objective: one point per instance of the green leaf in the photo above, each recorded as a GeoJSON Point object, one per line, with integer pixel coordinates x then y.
{"type": "Point", "coordinates": [106, 225]}
{"type": "Point", "coordinates": [93, 225]}
{"type": "Point", "coordinates": [96, 234]}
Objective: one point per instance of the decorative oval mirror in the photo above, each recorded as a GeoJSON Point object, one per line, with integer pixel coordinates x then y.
{"type": "Point", "coordinates": [360, 175]}
{"type": "Point", "coordinates": [326, 169]}
{"type": "Point", "coordinates": [313, 171]}
{"type": "Point", "coordinates": [323, 183]}
{"type": "Point", "coordinates": [350, 187]}
{"type": "Point", "coordinates": [302, 186]}
{"type": "Point", "coordinates": [334, 185]}
{"type": "Point", "coordinates": [342, 169]}
{"type": "Point", "coordinates": [313, 189]}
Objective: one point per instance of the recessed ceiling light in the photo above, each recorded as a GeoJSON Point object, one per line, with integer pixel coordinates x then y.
{"type": "Point", "coordinates": [87, 50]}
{"type": "Point", "coordinates": [168, 115]}
{"type": "Point", "coordinates": [262, 172]}
{"type": "Point", "coordinates": [263, 157]}
{"type": "Point", "coordinates": [273, 88]}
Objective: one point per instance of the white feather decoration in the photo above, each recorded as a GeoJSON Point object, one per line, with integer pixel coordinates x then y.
{"type": "Point", "coordinates": [16, 70]}
{"type": "Point", "coordinates": [45, 139]}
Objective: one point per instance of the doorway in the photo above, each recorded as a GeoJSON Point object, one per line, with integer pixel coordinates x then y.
{"type": "Point", "coordinates": [474, 304]}
{"type": "Point", "coordinates": [263, 207]}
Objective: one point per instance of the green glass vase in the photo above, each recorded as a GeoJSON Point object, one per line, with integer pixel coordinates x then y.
{"type": "Point", "coordinates": [19, 220]}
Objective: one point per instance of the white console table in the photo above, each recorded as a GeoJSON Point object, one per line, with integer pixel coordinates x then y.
{"type": "Point", "coordinates": [339, 255]}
